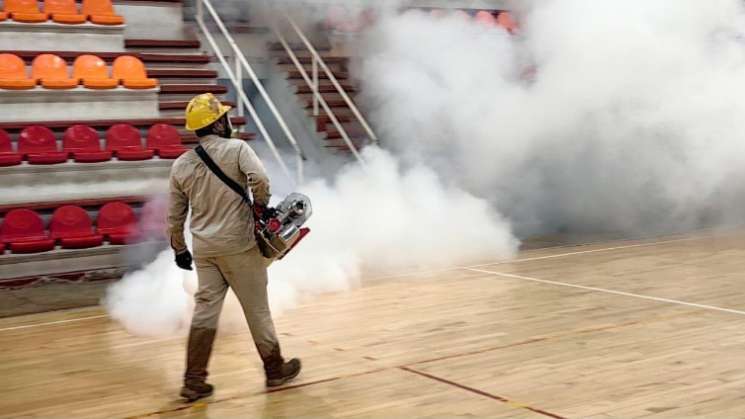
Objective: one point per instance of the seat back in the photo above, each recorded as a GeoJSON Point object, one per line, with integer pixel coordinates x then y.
{"type": "Point", "coordinates": [70, 221]}
{"type": "Point", "coordinates": [123, 136]}
{"type": "Point", "coordinates": [80, 138]}
{"type": "Point", "coordinates": [116, 215]}
{"type": "Point", "coordinates": [128, 67]}
{"type": "Point", "coordinates": [5, 144]}
{"type": "Point", "coordinates": [36, 139]}
{"type": "Point", "coordinates": [98, 7]}
{"type": "Point", "coordinates": [89, 66]}
{"type": "Point", "coordinates": [50, 67]}
{"type": "Point", "coordinates": [21, 6]}
{"type": "Point", "coordinates": [21, 223]}
{"type": "Point", "coordinates": [163, 136]}
{"type": "Point", "coordinates": [505, 20]}
{"type": "Point", "coordinates": [12, 67]}
{"type": "Point", "coordinates": [486, 18]}
{"type": "Point", "coordinates": [67, 7]}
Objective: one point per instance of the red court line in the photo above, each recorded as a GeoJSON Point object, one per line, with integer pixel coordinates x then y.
{"type": "Point", "coordinates": [485, 394]}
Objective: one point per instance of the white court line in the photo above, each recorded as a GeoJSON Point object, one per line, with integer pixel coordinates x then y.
{"type": "Point", "coordinates": [583, 252]}
{"type": "Point", "coordinates": [607, 291]}
{"type": "Point", "coordinates": [27, 326]}
{"type": "Point", "coordinates": [424, 272]}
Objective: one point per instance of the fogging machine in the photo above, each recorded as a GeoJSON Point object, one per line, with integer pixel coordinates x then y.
{"type": "Point", "coordinates": [277, 231]}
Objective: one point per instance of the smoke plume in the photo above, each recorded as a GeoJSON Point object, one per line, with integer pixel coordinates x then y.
{"type": "Point", "coordinates": [598, 116]}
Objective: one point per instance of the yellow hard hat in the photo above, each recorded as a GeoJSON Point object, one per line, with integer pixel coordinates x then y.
{"type": "Point", "coordinates": [203, 110]}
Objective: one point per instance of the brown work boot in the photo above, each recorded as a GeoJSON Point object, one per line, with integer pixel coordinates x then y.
{"type": "Point", "coordinates": [278, 371]}
{"type": "Point", "coordinates": [198, 354]}
{"type": "Point", "coordinates": [196, 390]}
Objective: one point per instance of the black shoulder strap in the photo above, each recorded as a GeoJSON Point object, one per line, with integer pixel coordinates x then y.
{"type": "Point", "coordinates": [214, 168]}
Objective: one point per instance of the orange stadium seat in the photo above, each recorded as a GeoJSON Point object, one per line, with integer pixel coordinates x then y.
{"type": "Point", "coordinates": [83, 143]}
{"type": "Point", "coordinates": [505, 20]}
{"type": "Point", "coordinates": [3, 16]}
{"type": "Point", "coordinates": [93, 72]}
{"type": "Point", "coordinates": [131, 71]}
{"type": "Point", "coordinates": [64, 11]}
{"type": "Point", "coordinates": [39, 146]}
{"type": "Point", "coordinates": [74, 228]}
{"type": "Point", "coordinates": [117, 221]}
{"type": "Point", "coordinates": [52, 72]}
{"type": "Point", "coordinates": [13, 73]}
{"type": "Point", "coordinates": [101, 12]}
{"type": "Point", "coordinates": [126, 143]}
{"type": "Point", "coordinates": [7, 156]}
{"type": "Point", "coordinates": [22, 231]}
{"type": "Point", "coordinates": [165, 140]}
{"type": "Point", "coordinates": [486, 18]}
{"type": "Point", "coordinates": [26, 11]}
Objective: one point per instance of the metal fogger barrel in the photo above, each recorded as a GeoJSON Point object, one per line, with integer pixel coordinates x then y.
{"type": "Point", "coordinates": [282, 232]}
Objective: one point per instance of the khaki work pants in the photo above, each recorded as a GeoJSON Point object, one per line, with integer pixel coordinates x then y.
{"type": "Point", "coordinates": [246, 274]}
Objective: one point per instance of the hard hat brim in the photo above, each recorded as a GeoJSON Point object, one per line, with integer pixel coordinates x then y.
{"type": "Point", "coordinates": [223, 110]}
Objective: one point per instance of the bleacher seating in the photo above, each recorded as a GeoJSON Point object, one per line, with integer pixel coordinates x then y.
{"type": "Point", "coordinates": [13, 74]}
{"type": "Point", "coordinates": [84, 145]}
{"type": "Point", "coordinates": [117, 221]}
{"type": "Point", "coordinates": [165, 140]}
{"type": "Point", "coordinates": [125, 142]}
{"type": "Point", "coordinates": [22, 229]}
{"type": "Point", "coordinates": [73, 227]}
{"type": "Point", "coordinates": [64, 11]}
{"type": "Point", "coordinates": [93, 72]}
{"type": "Point", "coordinates": [7, 156]}
{"type": "Point", "coordinates": [39, 146]}
{"type": "Point", "coordinates": [52, 72]}
{"type": "Point", "coordinates": [26, 11]}
{"type": "Point", "coordinates": [99, 12]}
{"type": "Point", "coordinates": [131, 72]}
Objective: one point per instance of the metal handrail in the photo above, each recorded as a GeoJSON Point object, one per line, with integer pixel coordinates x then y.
{"type": "Point", "coordinates": [319, 97]}
{"type": "Point", "coordinates": [318, 59]}
{"type": "Point", "coordinates": [237, 79]}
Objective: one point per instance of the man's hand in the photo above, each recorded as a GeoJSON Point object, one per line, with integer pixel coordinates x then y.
{"type": "Point", "coordinates": [184, 259]}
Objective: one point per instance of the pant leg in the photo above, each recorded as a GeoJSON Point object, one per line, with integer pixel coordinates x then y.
{"type": "Point", "coordinates": [208, 299]}
{"type": "Point", "coordinates": [246, 274]}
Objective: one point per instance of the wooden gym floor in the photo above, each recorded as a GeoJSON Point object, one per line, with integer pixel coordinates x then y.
{"type": "Point", "coordinates": [614, 330]}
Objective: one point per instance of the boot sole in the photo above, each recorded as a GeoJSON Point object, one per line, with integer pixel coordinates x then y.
{"type": "Point", "coordinates": [192, 396]}
{"type": "Point", "coordinates": [276, 382]}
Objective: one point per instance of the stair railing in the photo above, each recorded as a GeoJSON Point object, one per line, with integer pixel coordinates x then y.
{"type": "Point", "coordinates": [312, 81]}
{"type": "Point", "coordinates": [236, 77]}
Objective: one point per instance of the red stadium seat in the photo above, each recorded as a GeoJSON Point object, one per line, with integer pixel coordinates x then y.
{"type": "Point", "coordinates": [505, 20]}
{"type": "Point", "coordinates": [486, 18]}
{"type": "Point", "coordinates": [165, 140]}
{"type": "Point", "coordinates": [39, 146]}
{"type": "Point", "coordinates": [117, 221]}
{"type": "Point", "coordinates": [7, 156]}
{"type": "Point", "coordinates": [125, 141]}
{"type": "Point", "coordinates": [82, 142]}
{"type": "Point", "coordinates": [153, 218]}
{"type": "Point", "coordinates": [22, 231]}
{"type": "Point", "coordinates": [74, 228]}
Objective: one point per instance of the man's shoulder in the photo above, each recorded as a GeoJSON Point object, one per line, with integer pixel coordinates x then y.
{"type": "Point", "coordinates": [183, 160]}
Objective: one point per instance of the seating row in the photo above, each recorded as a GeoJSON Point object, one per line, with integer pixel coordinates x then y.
{"type": "Point", "coordinates": [23, 231]}
{"type": "Point", "coordinates": [100, 12]}
{"type": "Point", "coordinates": [91, 71]}
{"type": "Point", "coordinates": [485, 17]}
{"type": "Point", "coordinates": [38, 145]}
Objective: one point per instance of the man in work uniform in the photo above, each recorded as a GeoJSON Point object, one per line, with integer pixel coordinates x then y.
{"type": "Point", "coordinates": [225, 250]}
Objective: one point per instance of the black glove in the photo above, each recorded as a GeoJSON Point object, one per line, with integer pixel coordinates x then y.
{"type": "Point", "coordinates": [183, 260]}
{"type": "Point", "coordinates": [264, 213]}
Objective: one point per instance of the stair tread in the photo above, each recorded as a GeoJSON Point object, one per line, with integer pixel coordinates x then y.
{"type": "Point", "coordinates": [192, 88]}
{"type": "Point", "coordinates": [181, 73]}
{"type": "Point", "coordinates": [181, 104]}
{"type": "Point", "coordinates": [162, 43]}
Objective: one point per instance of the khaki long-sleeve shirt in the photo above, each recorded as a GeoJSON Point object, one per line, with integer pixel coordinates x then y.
{"type": "Point", "coordinates": [221, 223]}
